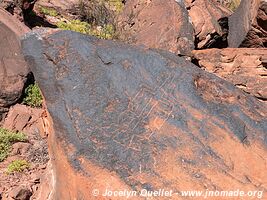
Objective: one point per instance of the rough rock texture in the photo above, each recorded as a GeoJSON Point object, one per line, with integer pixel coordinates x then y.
{"type": "Point", "coordinates": [59, 4]}
{"type": "Point", "coordinates": [248, 25]}
{"type": "Point", "coordinates": [13, 69]}
{"type": "Point", "coordinates": [45, 189]}
{"type": "Point", "coordinates": [18, 8]}
{"type": "Point", "coordinates": [125, 117]}
{"type": "Point", "coordinates": [12, 23]}
{"type": "Point", "coordinates": [35, 182]}
{"type": "Point", "coordinates": [245, 68]}
{"type": "Point", "coordinates": [21, 193]}
{"type": "Point", "coordinates": [22, 4]}
{"type": "Point", "coordinates": [31, 121]}
{"type": "Point", "coordinates": [157, 24]}
{"type": "Point", "coordinates": [205, 15]}
{"type": "Point", "coordinates": [22, 117]}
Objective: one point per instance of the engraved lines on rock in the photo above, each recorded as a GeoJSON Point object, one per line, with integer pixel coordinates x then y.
{"type": "Point", "coordinates": [128, 129]}
{"type": "Point", "coordinates": [64, 53]}
{"type": "Point", "coordinates": [148, 104]}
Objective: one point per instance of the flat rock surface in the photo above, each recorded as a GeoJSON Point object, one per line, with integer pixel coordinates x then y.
{"type": "Point", "coordinates": [157, 24]}
{"type": "Point", "coordinates": [245, 68]}
{"type": "Point", "coordinates": [13, 68]}
{"type": "Point", "coordinates": [131, 118]}
{"type": "Point", "coordinates": [248, 25]}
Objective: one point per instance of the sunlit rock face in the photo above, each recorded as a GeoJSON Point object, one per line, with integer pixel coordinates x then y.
{"type": "Point", "coordinates": [248, 25]}
{"type": "Point", "coordinates": [157, 24]}
{"type": "Point", "coordinates": [209, 19]}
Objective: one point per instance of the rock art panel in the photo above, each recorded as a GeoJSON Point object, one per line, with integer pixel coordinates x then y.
{"type": "Point", "coordinates": [126, 117]}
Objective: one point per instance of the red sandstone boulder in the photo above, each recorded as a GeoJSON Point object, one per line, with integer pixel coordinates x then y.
{"type": "Point", "coordinates": [13, 69]}
{"type": "Point", "coordinates": [12, 23]}
{"type": "Point", "coordinates": [245, 68]}
{"type": "Point", "coordinates": [130, 118]}
{"type": "Point", "coordinates": [205, 15]}
{"type": "Point", "coordinates": [248, 25]}
{"type": "Point", "coordinates": [157, 24]}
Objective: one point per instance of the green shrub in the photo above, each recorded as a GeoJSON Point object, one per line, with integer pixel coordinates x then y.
{"type": "Point", "coordinates": [75, 25]}
{"type": "Point", "coordinates": [105, 32]}
{"type": "Point", "coordinates": [7, 138]}
{"type": "Point", "coordinates": [233, 5]}
{"type": "Point", "coordinates": [48, 11]}
{"type": "Point", "coordinates": [33, 96]}
{"type": "Point", "coordinates": [116, 4]}
{"type": "Point", "coordinates": [17, 166]}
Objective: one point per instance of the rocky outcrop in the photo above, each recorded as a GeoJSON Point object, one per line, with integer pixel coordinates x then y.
{"type": "Point", "coordinates": [176, 26]}
{"type": "Point", "coordinates": [13, 69]}
{"type": "Point", "coordinates": [157, 24]}
{"type": "Point", "coordinates": [21, 193]}
{"type": "Point", "coordinates": [12, 23]}
{"type": "Point", "coordinates": [18, 8]}
{"type": "Point", "coordinates": [62, 5]}
{"type": "Point", "coordinates": [34, 183]}
{"type": "Point", "coordinates": [248, 25]}
{"type": "Point", "coordinates": [245, 68]}
{"type": "Point", "coordinates": [22, 118]}
{"type": "Point", "coordinates": [210, 23]}
{"type": "Point", "coordinates": [130, 118]}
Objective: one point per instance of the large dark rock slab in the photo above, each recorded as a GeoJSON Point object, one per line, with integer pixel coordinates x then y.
{"type": "Point", "coordinates": [131, 118]}
{"type": "Point", "coordinates": [248, 25]}
{"type": "Point", "coordinates": [13, 68]}
{"type": "Point", "coordinates": [157, 24]}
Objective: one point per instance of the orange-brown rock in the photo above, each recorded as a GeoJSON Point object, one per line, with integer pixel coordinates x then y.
{"type": "Point", "coordinates": [245, 68]}
{"type": "Point", "coordinates": [157, 24]}
{"type": "Point", "coordinates": [12, 23]}
{"type": "Point", "coordinates": [13, 69]}
{"type": "Point", "coordinates": [62, 5]}
{"type": "Point", "coordinates": [248, 25]}
{"type": "Point", "coordinates": [38, 178]}
{"type": "Point", "coordinates": [129, 118]}
{"type": "Point", "coordinates": [205, 15]}
{"type": "Point", "coordinates": [22, 118]}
